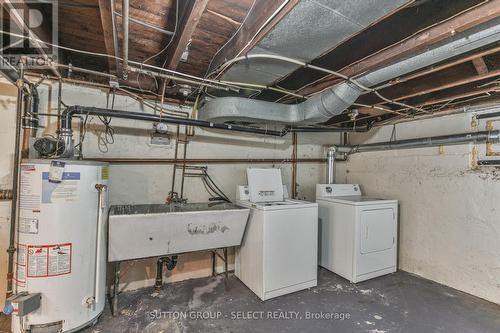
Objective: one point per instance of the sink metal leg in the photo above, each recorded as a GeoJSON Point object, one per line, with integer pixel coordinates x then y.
{"type": "Point", "coordinates": [225, 262]}
{"type": "Point", "coordinates": [213, 262]}
{"type": "Point", "coordinates": [114, 306]}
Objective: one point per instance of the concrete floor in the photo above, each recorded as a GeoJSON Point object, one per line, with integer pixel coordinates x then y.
{"type": "Point", "coordinates": [400, 302]}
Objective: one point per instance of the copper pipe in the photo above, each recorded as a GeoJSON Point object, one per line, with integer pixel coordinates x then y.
{"type": "Point", "coordinates": [28, 133]}
{"type": "Point", "coordinates": [174, 162]}
{"type": "Point", "coordinates": [5, 195]}
{"type": "Point", "coordinates": [207, 160]}
{"type": "Point", "coordinates": [294, 165]}
{"type": "Point", "coordinates": [185, 142]}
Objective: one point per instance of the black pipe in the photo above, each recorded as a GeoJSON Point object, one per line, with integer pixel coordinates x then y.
{"type": "Point", "coordinates": [488, 115]}
{"type": "Point", "coordinates": [489, 162]}
{"type": "Point", "coordinates": [159, 273]}
{"type": "Point", "coordinates": [68, 114]}
{"type": "Point", "coordinates": [307, 129]}
{"type": "Point", "coordinates": [30, 111]}
{"type": "Point", "coordinates": [170, 263]}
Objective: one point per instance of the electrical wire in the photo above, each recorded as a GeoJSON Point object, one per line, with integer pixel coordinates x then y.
{"type": "Point", "coordinates": [162, 50]}
{"type": "Point", "coordinates": [216, 194]}
{"type": "Point", "coordinates": [219, 191]}
{"type": "Point", "coordinates": [109, 56]}
{"type": "Point", "coordinates": [79, 146]}
{"type": "Point", "coordinates": [151, 73]}
{"type": "Point", "coordinates": [230, 39]}
{"type": "Point", "coordinates": [106, 137]}
{"type": "Point", "coordinates": [171, 39]}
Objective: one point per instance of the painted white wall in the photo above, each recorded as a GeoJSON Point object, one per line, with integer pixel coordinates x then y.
{"type": "Point", "coordinates": [449, 212]}
{"type": "Point", "coordinates": [449, 223]}
{"type": "Point", "coordinates": [151, 183]}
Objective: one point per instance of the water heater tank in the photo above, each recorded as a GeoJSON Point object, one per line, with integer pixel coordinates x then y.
{"type": "Point", "coordinates": [61, 245]}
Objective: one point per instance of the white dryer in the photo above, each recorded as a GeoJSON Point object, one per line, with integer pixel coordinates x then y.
{"type": "Point", "coordinates": [357, 234]}
{"type": "Point", "coordinates": [278, 254]}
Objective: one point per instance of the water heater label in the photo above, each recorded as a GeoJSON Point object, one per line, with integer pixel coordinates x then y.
{"type": "Point", "coordinates": [20, 276]}
{"type": "Point", "coordinates": [37, 261]}
{"type": "Point", "coordinates": [49, 260]}
{"type": "Point", "coordinates": [59, 260]}
{"type": "Point", "coordinates": [28, 225]}
{"type": "Point", "coordinates": [29, 198]}
{"type": "Point", "coordinates": [65, 191]}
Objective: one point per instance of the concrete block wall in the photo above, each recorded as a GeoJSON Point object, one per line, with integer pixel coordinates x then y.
{"type": "Point", "coordinates": [449, 214]}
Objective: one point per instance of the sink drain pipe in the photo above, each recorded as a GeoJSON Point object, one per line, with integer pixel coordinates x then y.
{"type": "Point", "coordinates": [170, 263]}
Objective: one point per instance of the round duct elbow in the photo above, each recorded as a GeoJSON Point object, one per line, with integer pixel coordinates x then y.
{"type": "Point", "coordinates": [317, 109]}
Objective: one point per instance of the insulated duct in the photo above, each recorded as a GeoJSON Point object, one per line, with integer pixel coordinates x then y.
{"type": "Point", "coordinates": [321, 107]}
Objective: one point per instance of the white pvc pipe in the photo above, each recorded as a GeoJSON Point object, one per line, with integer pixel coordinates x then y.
{"type": "Point", "coordinates": [100, 207]}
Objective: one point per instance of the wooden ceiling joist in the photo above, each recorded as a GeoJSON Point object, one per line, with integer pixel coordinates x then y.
{"type": "Point", "coordinates": [263, 16]}
{"type": "Point", "coordinates": [181, 39]}
{"type": "Point", "coordinates": [480, 66]}
{"type": "Point", "coordinates": [107, 28]}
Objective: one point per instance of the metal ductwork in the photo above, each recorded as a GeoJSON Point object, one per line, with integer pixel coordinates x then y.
{"type": "Point", "coordinates": [331, 154]}
{"type": "Point", "coordinates": [321, 107]}
{"type": "Point", "coordinates": [433, 141]}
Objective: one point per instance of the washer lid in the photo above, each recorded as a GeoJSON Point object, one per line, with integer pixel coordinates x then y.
{"type": "Point", "coordinates": [265, 185]}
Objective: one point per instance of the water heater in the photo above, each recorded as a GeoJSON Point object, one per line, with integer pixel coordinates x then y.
{"type": "Point", "coordinates": [61, 249]}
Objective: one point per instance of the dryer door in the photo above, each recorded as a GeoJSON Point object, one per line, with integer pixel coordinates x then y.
{"type": "Point", "coordinates": [377, 227]}
{"type": "Point", "coordinates": [376, 241]}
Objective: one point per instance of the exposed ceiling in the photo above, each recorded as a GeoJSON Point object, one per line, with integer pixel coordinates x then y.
{"type": "Point", "coordinates": [354, 38]}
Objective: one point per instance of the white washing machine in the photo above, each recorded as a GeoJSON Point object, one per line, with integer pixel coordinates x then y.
{"type": "Point", "coordinates": [278, 254]}
{"type": "Point", "coordinates": [358, 234]}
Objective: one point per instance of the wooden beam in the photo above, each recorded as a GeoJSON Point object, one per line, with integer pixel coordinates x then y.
{"type": "Point", "coordinates": [105, 11]}
{"type": "Point", "coordinates": [479, 14]}
{"type": "Point", "coordinates": [480, 66]}
{"type": "Point", "coordinates": [264, 15]}
{"type": "Point", "coordinates": [189, 22]}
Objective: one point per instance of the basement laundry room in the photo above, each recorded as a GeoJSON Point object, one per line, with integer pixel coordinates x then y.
{"type": "Point", "coordinates": [185, 166]}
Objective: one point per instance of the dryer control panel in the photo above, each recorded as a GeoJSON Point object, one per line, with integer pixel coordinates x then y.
{"type": "Point", "coordinates": [337, 190]}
